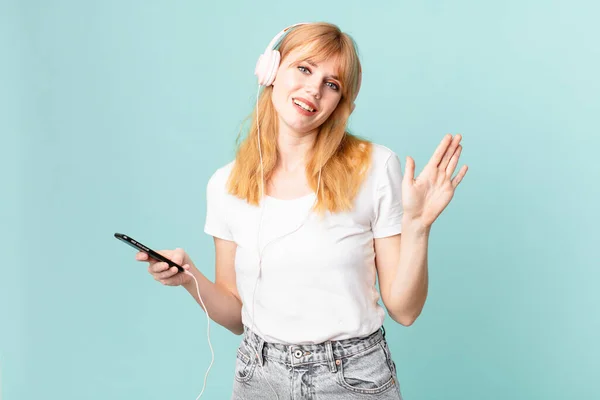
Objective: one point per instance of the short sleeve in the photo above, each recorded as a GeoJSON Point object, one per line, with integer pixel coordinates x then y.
{"type": "Point", "coordinates": [388, 200]}
{"type": "Point", "coordinates": [216, 217]}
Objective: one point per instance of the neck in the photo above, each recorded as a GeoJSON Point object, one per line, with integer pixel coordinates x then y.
{"type": "Point", "coordinates": [293, 149]}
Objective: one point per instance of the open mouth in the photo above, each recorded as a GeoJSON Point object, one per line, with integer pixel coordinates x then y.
{"type": "Point", "coordinates": [305, 105]}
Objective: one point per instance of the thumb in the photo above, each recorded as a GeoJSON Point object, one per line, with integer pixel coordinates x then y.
{"type": "Point", "coordinates": [409, 170]}
{"type": "Point", "coordinates": [178, 256]}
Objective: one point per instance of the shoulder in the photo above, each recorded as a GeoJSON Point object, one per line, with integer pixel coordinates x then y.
{"type": "Point", "coordinates": [218, 180]}
{"type": "Point", "coordinates": [382, 158]}
{"type": "Point", "coordinates": [380, 152]}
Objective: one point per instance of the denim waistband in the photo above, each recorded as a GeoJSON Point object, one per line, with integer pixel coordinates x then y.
{"type": "Point", "coordinates": [330, 352]}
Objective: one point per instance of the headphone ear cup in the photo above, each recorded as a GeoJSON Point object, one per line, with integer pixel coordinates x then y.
{"type": "Point", "coordinates": [261, 69]}
{"type": "Point", "coordinates": [266, 67]}
{"type": "Point", "coordinates": [273, 67]}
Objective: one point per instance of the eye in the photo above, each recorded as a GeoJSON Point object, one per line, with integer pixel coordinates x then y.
{"type": "Point", "coordinates": [333, 86]}
{"type": "Point", "coordinates": [303, 69]}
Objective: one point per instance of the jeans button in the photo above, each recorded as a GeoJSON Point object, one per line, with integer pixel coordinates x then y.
{"type": "Point", "coordinates": [298, 353]}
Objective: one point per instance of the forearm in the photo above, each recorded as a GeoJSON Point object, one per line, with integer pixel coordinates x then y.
{"type": "Point", "coordinates": [223, 307]}
{"type": "Point", "coordinates": [409, 287]}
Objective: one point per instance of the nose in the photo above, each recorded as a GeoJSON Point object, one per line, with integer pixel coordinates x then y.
{"type": "Point", "coordinates": [313, 89]}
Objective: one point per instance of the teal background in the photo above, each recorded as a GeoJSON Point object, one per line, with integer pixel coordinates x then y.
{"type": "Point", "coordinates": [114, 114]}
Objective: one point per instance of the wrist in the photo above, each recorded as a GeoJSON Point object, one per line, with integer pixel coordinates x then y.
{"type": "Point", "coordinates": [415, 226]}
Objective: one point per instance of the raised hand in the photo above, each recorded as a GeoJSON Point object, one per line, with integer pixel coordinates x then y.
{"type": "Point", "coordinates": [425, 197]}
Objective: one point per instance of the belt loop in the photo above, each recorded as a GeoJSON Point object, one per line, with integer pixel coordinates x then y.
{"type": "Point", "coordinates": [330, 357]}
{"type": "Point", "coordinates": [259, 350]}
{"type": "Point", "coordinates": [383, 331]}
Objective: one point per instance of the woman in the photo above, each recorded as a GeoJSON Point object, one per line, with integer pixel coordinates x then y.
{"type": "Point", "coordinates": [304, 220]}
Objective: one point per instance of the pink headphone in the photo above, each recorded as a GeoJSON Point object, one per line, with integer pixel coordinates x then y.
{"type": "Point", "coordinates": [268, 62]}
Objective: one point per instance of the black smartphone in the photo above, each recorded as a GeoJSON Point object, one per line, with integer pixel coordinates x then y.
{"type": "Point", "coordinates": [137, 245]}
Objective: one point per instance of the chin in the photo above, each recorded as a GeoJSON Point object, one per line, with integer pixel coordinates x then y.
{"type": "Point", "coordinates": [298, 126]}
{"type": "Point", "coordinates": [301, 130]}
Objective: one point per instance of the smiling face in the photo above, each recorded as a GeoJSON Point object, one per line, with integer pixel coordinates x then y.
{"type": "Point", "coordinates": [305, 93]}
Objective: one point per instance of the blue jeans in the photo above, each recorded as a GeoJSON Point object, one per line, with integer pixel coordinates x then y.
{"type": "Point", "coordinates": [359, 368]}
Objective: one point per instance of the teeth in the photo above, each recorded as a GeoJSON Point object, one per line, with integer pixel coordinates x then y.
{"type": "Point", "coordinates": [303, 105]}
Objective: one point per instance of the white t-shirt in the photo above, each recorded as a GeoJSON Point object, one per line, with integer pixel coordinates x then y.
{"type": "Point", "coordinates": [317, 283]}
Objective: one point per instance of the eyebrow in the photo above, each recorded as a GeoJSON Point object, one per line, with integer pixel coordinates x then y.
{"type": "Point", "coordinates": [316, 66]}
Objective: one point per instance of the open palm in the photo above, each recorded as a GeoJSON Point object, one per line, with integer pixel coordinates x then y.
{"type": "Point", "coordinates": [425, 197]}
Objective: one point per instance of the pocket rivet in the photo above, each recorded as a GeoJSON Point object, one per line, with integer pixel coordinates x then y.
{"type": "Point", "coordinates": [337, 362]}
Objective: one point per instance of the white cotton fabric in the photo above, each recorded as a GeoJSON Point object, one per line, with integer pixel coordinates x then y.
{"type": "Point", "coordinates": [319, 282]}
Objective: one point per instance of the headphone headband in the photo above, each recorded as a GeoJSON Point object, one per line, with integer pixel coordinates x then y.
{"type": "Point", "coordinates": [280, 35]}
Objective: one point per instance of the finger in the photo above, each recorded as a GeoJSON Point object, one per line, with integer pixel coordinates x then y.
{"type": "Point", "coordinates": [158, 267]}
{"type": "Point", "coordinates": [166, 274]}
{"type": "Point", "coordinates": [141, 256]}
{"type": "Point", "coordinates": [409, 170]}
{"type": "Point", "coordinates": [170, 281]}
{"type": "Point", "coordinates": [175, 280]}
{"type": "Point", "coordinates": [439, 152]}
{"type": "Point", "coordinates": [461, 174]}
{"type": "Point", "coordinates": [453, 162]}
{"type": "Point", "coordinates": [450, 152]}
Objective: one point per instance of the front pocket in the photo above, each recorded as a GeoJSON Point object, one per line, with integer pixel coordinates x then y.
{"type": "Point", "coordinates": [244, 366]}
{"type": "Point", "coordinates": [367, 372]}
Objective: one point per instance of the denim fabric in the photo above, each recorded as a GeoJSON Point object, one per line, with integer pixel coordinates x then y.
{"type": "Point", "coordinates": [359, 368]}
